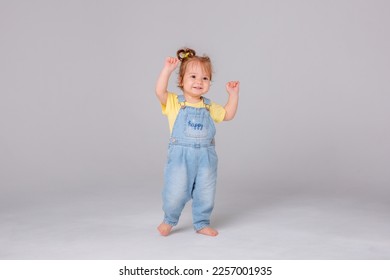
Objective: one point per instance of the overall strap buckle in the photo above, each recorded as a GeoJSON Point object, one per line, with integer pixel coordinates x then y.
{"type": "Point", "coordinates": [182, 101]}
{"type": "Point", "coordinates": [207, 103]}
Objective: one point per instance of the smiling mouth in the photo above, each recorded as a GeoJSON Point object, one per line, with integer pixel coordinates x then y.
{"type": "Point", "coordinates": [198, 87]}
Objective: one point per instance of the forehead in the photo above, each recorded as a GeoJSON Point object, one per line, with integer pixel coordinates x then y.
{"type": "Point", "coordinates": [197, 67]}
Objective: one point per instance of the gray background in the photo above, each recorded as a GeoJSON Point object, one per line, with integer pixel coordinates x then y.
{"type": "Point", "coordinates": [304, 167]}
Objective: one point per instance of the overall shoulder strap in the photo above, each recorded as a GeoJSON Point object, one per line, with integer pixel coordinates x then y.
{"type": "Point", "coordinates": [206, 101]}
{"type": "Point", "coordinates": [182, 100]}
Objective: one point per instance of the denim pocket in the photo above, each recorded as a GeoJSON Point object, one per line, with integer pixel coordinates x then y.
{"type": "Point", "coordinates": [197, 125]}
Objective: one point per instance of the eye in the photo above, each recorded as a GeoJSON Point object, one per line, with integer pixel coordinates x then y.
{"type": "Point", "coordinates": [206, 78]}
{"type": "Point", "coordinates": [193, 76]}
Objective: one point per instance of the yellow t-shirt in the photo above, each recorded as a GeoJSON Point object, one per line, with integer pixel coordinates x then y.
{"type": "Point", "coordinates": [172, 108]}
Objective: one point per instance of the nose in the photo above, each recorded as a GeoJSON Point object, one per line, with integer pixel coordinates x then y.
{"type": "Point", "coordinates": [199, 80]}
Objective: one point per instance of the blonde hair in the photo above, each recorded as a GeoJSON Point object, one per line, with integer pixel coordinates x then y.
{"type": "Point", "coordinates": [186, 56]}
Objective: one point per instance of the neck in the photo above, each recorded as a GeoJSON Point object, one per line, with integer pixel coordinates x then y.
{"type": "Point", "coordinates": [192, 99]}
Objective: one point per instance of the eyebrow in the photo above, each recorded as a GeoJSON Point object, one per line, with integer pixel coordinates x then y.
{"type": "Point", "coordinates": [192, 73]}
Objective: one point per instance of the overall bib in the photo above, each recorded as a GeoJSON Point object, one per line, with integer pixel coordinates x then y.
{"type": "Point", "coordinates": [191, 169]}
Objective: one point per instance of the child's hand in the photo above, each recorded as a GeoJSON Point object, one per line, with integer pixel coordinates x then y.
{"type": "Point", "coordinates": [171, 63]}
{"type": "Point", "coordinates": [233, 87]}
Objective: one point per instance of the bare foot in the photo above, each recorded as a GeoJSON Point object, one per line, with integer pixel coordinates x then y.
{"type": "Point", "coordinates": [208, 231]}
{"type": "Point", "coordinates": [164, 229]}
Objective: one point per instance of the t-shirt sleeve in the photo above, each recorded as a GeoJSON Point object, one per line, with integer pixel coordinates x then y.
{"type": "Point", "coordinates": [165, 109]}
{"type": "Point", "coordinates": [217, 112]}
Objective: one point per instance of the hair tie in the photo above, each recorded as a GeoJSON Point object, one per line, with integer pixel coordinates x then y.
{"type": "Point", "coordinates": [185, 53]}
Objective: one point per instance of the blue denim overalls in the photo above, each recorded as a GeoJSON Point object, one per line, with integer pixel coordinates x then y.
{"type": "Point", "coordinates": [191, 170]}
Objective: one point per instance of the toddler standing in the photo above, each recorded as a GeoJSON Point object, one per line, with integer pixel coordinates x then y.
{"type": "Point", "coordinates": [191, 169]}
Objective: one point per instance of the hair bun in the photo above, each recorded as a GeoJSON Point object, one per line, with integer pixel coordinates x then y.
{"type": "Point", "coordinates": [185, 53]}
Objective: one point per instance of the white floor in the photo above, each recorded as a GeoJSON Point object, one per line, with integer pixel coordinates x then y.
{"type": "Point", "coordinates": [119, 223]}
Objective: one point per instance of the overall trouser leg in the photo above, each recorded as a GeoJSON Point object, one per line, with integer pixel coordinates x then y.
{"type": "Point", "coordinates": [179, 177]}
{"type": "Point", "coordinates": [203, 193]}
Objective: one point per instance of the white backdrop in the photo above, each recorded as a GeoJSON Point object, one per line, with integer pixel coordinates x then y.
{"type": "Point", "coordinates": [78, 111]}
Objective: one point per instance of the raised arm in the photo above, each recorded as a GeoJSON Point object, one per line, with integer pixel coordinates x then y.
{"type": "Point", "coordinates": [162, 81]}
{"type": "Point", "coordinates": [233, 89]}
